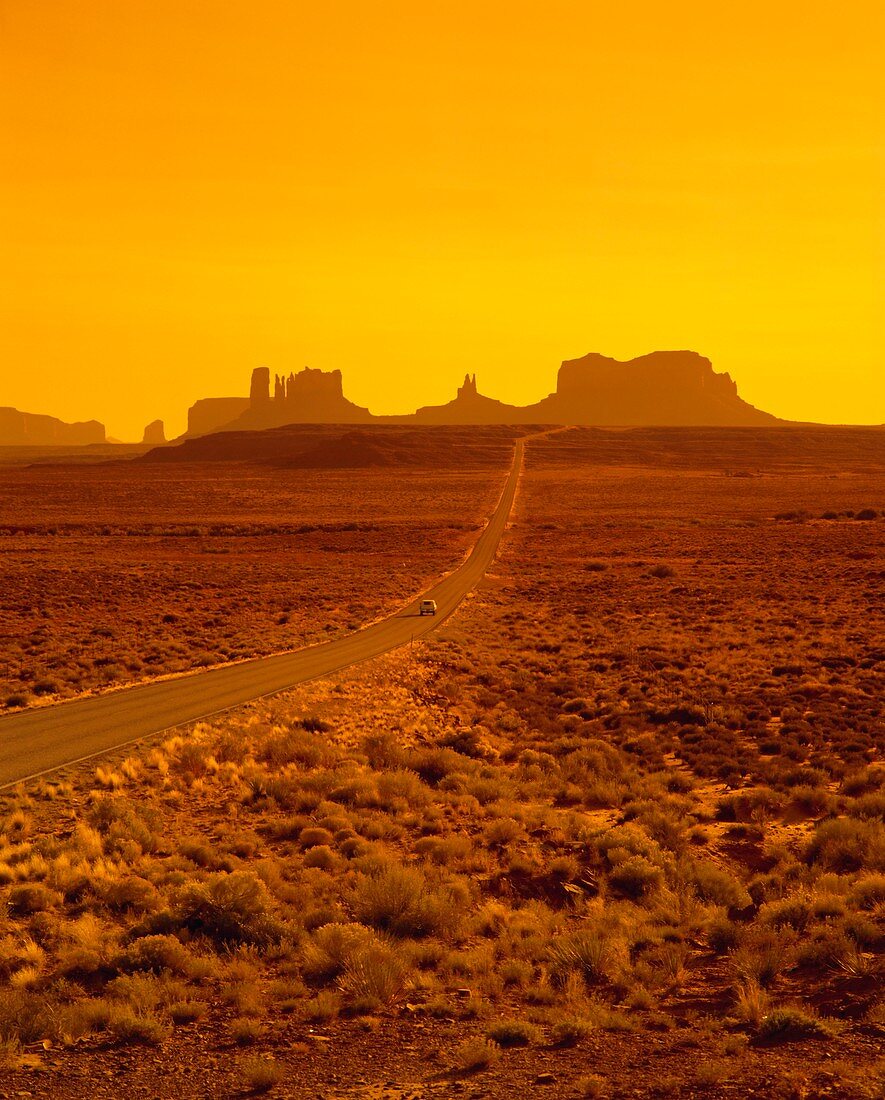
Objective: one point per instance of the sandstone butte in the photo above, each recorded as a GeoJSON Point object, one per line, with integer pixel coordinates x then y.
{"type": "Point", "coordinates": [663, 388]}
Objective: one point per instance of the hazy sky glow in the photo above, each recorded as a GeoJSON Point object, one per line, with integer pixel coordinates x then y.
{"type": "Point", "coordinates": [408, 191]}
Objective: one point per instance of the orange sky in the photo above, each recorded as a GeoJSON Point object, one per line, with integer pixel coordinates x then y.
{"type": "Point", "coordinates": [407, 191]}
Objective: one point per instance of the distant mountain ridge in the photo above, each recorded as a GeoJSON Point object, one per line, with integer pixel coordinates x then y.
{"type": "Point", "coordinates": [663, 388]}
{"type": "Point", "coordinates": [22, 429]}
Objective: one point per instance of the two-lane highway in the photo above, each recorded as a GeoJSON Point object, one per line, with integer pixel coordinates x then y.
{"type": "Point", "coordinates": [36, 741]}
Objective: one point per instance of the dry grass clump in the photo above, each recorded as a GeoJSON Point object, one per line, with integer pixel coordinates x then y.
{"type": "Point", "coordinates": [474, 1055]}
{"type": "Point", "coordinates": [513, 1033]}
{"type": "Point", "coordinates": [400, 900]}
{"type": "Point", "coordinates": [597, 955]}
{"type": "Point", "coordinates": [373, 975]}
{"type": "Point", "coordinates": [260, 1074]}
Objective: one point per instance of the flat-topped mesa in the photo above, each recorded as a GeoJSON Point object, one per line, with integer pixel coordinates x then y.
{"type": "Point", "coordinates": [662, 388]}
{"type": "Point", "coordinates": [211, 414]}
{"type": "Point", "coordinates": [311, 386]}
{"type": "Point", "coordinates": [21, 429]}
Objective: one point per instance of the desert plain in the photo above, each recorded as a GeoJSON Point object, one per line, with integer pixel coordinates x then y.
{"type": "Point", "coordinates": [614, 829]}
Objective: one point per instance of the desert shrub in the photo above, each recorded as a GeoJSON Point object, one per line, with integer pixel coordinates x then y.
{"type": "Point", "coordinates": [87, 947]}
{"type": "Point", "coordinates": [794, 1022]}
{"type": "Point", "coordinates": [156, 953]}
{"type": "Point", "coordinates": [202, 854]}
{"type": "Point", "coordinates": [721, 934]}
{"type": "Point", "coordinates": [230, 749]}
{"type": "Point", "coordinates": [245, 1030]}
{"type": "Point", "coordinates": [383, 751]}
{"type": "Point", "coordinates": [120, 820]}
{"type": "Point", "coordinates": [617, 843]}
{"type": "Point", "coordinates": [751, 1003]}
{"type": "Point", "coordinates": [444, 849]}
{"type": "Point", "coordinates": [662, 571]}
{"type": "Point", "coordinates": [868, 892]}
{"type": "Point", "coordinates": [260, 1074]}
{"type": "Point", "coordinates": [570, 1029]}
{"type": "Point", "coordinates": [126, 1025]}
{"type": "Point", "coordinates": [25, 1017]}
{"type": "Point", "coordinates": [312, 724]}
{"type": "Point", "coordinates": [513, 1033]}
{"type": "Point", "coordinates": [864, 781]}
{"type": "Point", "coordinates": [595, 954]}
{"type": "Point", "coordinates": [321, 856]}
{"type": "Point", "coordinates": [327, 952]}
{"type": "Point", "coordinates": [399, 900]}
{"type": "Point", "coordinates": [843, 844]}
{"type": "Point", "coordinates": [467, 742]}
{"type": "Point", "coordinates": [869, 807]}
{"type": "Point", "coordinates": [826, 947]}
{"type": "Point", "coordinates": [717, 885]}
{"type": "Point", "coordinates": [298, 746]}
{"type": "Point", "coordinates": [191, 759]}
{"type": "Point", "coordinates": [636, 877]}
{"type": "Point", "coordinates": [762, 955]}
{"type": "Point", "coordinates": [813, 801]}
{"type": "Point", "coordinates": [229, 909]}
{"type": "Point", "coordinates": [502, 831]}
{"type": "Point", "coordinates": [607, 1018]}
{"type": "Point", "coordinates": [435, 764]}
{"type": "Point", "coordinates": [187, 1012]}
{"type": "Point", "coordinates": [312, 837]}
{"type": "Point", "coordinates": [399, 787]}
{"type": "Point", "coordinates": [474, 1055]}
{"type": "Point", "coordinates": [373, 975]}
{"type": "Point", "coordinates": [323, 1007]}
{"type": "Point", "coordinates": [753, 804]}
{"type": "Point", "coordinates": [129, 893]}
{"type": "Point", "coordinates": [793, 912]}
{"type": "Point", "coordinates": [31, 897]}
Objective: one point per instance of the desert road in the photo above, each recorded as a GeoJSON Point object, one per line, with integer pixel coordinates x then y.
{"type": "Point", "coordinates": [41, 740]}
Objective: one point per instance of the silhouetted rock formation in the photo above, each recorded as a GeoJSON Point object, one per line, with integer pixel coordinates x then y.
{"type": "Point", "coordinates": [154, 434]}
{"type": "Point", "coordinates": [663, 388]}
{"type": "Point", "coordinates": [308, 397]}
{"type": "Point", "coordinates": [470, 407]}
{"type": "Point", "coordinates": [211, 414]}
{"type": "Point", "coordinates": [259, 391]}
{"type": "Point", "coordinates": [31, 429]}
